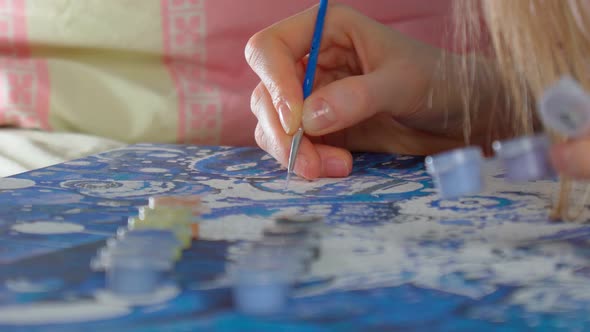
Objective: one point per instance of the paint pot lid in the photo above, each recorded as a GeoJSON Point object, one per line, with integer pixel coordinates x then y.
{"type": "Point", "coordinates": [261, 266]}
{"type": "Point", "coordinates": [565, 108]}
{"type": "Point", "coordinates": [298, 251]}
{"type": "Point", "coordinates": [518, 146]}
{"type": "Point", "coordinates": [141, 247]}
{"type": "Point", "coordinates": [156, 236]}
{"type": "Point", "coordinates": [302, 220]}
{"type": "Point", "coordinates": [189, 201]}
{"type": "Point", "coordinates": [130, 258]}
{"type": "Point", "coordinates": [288, 242]}
{"type": "Point", "coordinates": [173, 214]}
{"type": "Point", "coordinates": [288, 230]}
{"type": "Point", "coordinates": [446, 161]}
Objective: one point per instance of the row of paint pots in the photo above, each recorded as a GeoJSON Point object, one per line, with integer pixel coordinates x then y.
{"type": "Point", "coordinates": [564, 108]}
{"type": "Point", "coordinates": [459, 172]}
{"type": "Point", "coordinates": [139, 260]}
{"type": "Point", "coordinates": [264, 275]}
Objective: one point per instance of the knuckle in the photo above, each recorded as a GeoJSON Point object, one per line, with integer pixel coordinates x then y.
{"type": "Point", "coordinates": [259, 136]}
{"type": "Point", "coordinates": [341, 9]}
{"type": "Point", "coordinates": [362, 95]}
{"type": "Point", "coordinates": [256, 99]}
{"type": "Point", "coordinates": [253, 51]}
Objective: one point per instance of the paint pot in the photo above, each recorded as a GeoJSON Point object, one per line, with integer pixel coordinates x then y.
{"type": "Point", "coordinates": [457, 172]}
{"type": "Point", "coordinates": [290, 231]}
{"type": "Point", "coordinates": [130, 274]}
{"type": "Point", "coordinates": [302, 243]}
{"type": "Point", "coordinates": [306, 221]}
{"type": "Point", "coordinates": [261, 283]}
{"type": "Point", "coordinates": [182, 231]}
{"type": "Point", "coordinates": [155, 236]}
{"type": "Point", "coordinates": [299, 255]}
{"type": "Point", "coordinates": [173, 214]}
{"type": "Point", "coordinates": [137, 247]}
{"type": "Point", "coordinates": [565, 108]}
{"type": "Point", "coordinates": [164, 249]}
{"type": "Point", "coordinates": [192, 202]}
{"type": "Point", "coordinates": [165, 240]}
{"type": "Point", "coordinates": [525, 158]}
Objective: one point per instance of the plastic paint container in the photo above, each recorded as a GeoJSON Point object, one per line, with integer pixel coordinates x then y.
{"type": "Point", "coordinates": [315, 224]}
{"type": "Point", "coordinates": [192, 201]}
{"type": "Point", "coordinates": [174, 215]}
{"type": "Point", "coordinates": [156, 236]}
{"type": "Point", "coordinates": [262, 285]}
{"type": "Point", "coordinates": [457, 172]}
{"type": "Point", "coordinates": [291, 231]}
{"type": "Point", "coordinates": [164, 252]}
{"type": "Point", "coordinates": [299, 257]}
{"type": "Point", "coordinates": [525, 158]}
{"type": "Point", "coordinates": [131, 274]}
{"type": "Point", "coordinates": [305, 248]}
{"type": "Point", "coordinates": [182, 232]}
{"type": "Point", "coordinates": [307, 221]}
{"type": "Point", "coordinates": [565, 108]}
{"type": "Point", "coordinates": [165, 249]}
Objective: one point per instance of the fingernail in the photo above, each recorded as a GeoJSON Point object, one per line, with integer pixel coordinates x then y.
{"type": "Point", "coordinates": [317, 116]}
{"type": "Point", "coordinates": [301, 165]}
{"type": "Point", "coordinates": [336, 167]}
{"type": "Point", "coordinates": [285, 115]}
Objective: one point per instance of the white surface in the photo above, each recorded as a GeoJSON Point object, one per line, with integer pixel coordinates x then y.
{"type": "Point", "coordinates": [47, 227]}
{"type": "Point", "coordinates": [60, 313]}
{"type": "Point", "coordinates": [24, 150]}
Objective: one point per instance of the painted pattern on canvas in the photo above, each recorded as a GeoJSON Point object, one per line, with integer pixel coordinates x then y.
{"type": "Point", "coordinates": [396, 256]}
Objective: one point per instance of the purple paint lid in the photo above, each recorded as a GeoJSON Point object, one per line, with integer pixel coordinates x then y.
{"type": "Point", "coordinates": [565, 108]}
{"type": "Point", "coordinates": [525, 158]}
{"type": "Point", "coordinates": [518, 146]}
{"type": "Point", "coordinates": [448, 161]}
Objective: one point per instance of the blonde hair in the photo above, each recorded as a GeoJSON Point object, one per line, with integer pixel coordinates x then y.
{"type": "Point", "coordinates": [534, 43]}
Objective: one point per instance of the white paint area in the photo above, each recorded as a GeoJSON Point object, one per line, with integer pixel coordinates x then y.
{"type": "Point", "coordinates": [382, 186]}
{"type": "Point", "coordinates": [153, 170]}
{"type": "Point", "coordinates": [239, 190]}
{"type": "Point", "coordinates": [47, 228]}
{"type": "Point", "coordinates": [119, 189]}
{"type": "Point", "coordinates": [240, 167]}
{"type": "Point", "coordinates": [60, 313]}
{"type": "Point", "coordinates": [163, 155]}
{"type": "Point", "coordinates": [12, 183]}
{"type": "Point", "coordinates": [26, 286]}
{"type": "Point", "coordinates": [78, 163]}
{"type": "Point", "coordinates": [161, 295]}
{"type": "Point", "coordinates": [105, 306]}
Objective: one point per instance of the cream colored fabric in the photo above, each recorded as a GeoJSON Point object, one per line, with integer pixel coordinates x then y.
{"type": "Point", "coordinates": [23, 150]}
{"type": "Point", "coordinates": [153, 70]}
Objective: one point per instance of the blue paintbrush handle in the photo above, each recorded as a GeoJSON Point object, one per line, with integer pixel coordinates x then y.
{"type": "Point", "coordinates": [309, 80]}
{"type": "Point", "coordinates": [315, 49]}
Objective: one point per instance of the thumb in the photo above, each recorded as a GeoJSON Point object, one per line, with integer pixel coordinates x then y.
{"type": "Point", "coordinates": [344, 103]}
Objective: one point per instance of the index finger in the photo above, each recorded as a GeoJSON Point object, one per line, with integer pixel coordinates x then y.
{"type": "Point", "coordinates": [275, 54]}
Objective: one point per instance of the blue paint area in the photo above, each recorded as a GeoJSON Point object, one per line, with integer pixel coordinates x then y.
{"type": "Point", "coordinates": [398, 257]}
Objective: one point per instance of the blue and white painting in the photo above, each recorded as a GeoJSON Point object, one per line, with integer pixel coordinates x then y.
{"type": "Point", "coordinates": [396, 256]}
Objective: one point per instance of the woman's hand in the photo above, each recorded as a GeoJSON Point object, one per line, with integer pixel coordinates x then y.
{"type": "Point", "coordinates": [371, 93]}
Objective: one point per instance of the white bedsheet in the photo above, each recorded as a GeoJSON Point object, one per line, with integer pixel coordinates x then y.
{"type": "Point", "coordinates": [24, 150]}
